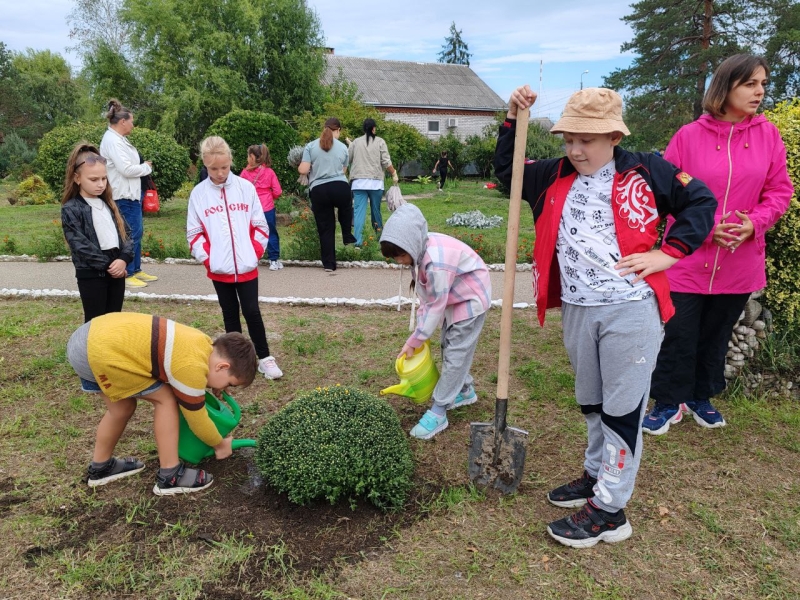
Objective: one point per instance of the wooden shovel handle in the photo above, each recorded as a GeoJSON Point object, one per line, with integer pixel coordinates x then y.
{"type": "Point", "coordinates": [512, 238]}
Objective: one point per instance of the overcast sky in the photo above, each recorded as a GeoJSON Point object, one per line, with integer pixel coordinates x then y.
{"type": "Point", "coordinates": [570, 36]}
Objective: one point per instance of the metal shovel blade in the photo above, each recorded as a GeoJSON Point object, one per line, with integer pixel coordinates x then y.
{"type": "Point", "coordinates": [498, 464]}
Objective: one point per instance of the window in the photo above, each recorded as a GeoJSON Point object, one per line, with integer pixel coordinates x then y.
{"type": "Point", "coordinates": [433, 126]}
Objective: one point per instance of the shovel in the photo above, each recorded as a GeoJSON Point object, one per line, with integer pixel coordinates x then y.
{"type": "Point", "coordinates": [497, 452]}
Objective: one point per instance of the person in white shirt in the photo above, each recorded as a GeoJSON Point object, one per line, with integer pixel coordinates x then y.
{"type": "Point", "coordinates": [124, 172]}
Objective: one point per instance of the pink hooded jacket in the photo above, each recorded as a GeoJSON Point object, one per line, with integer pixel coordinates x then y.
{"type": "Point", "coordinates": [744, 164]}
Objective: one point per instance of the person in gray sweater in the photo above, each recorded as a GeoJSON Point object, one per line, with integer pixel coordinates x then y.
{"type": "Point", "coordinates": [369, 158]}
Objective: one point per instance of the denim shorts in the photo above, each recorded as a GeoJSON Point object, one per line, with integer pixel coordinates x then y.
{"type": "Point", "coordinates": [91, 387]}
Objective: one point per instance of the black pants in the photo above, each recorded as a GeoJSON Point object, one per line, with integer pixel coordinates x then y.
{"type": "Point", "coordinates": [691, 363]}
{"type": "Point", "coordinates": [101, 295]}
{"type": "Point", "coordinates": [324, 199]}
{"type": "Point", "coordinates": [230, 295]}
{"type": "Point", "coordinates": [443, 177]}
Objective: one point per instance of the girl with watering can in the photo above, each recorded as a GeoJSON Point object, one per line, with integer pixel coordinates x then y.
{"type": "Point", "coordinates": [454, 288]}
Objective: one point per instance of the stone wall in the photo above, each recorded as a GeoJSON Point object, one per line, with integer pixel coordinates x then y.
{"type": "Point", "coordinates": [747, 337]}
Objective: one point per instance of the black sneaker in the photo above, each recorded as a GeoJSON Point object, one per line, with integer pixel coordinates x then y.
{"type": "Point", "coordinates": [114, 469]}
{"type": "Point", "coordinates": [590, 525]}
{"type": "Point", "coordinates": [575, 493]}
{"type": "Point", "coordinates": [183, 481]}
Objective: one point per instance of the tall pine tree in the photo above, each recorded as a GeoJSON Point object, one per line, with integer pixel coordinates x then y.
{"type": "Point", "coordinates": [679, 44]}
{"type": "Point", "coordinates": [454, 51]}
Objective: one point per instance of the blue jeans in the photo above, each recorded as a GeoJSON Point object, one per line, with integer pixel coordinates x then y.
{"type": "Point", "coordinates": [274, 242]}
{"type": "Point", "coordinates": [131, 211]}
{"type": "Point", "coordinates": [360, 211]}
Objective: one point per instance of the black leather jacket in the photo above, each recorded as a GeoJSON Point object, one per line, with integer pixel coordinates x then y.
{"type": "Point", "coordinates": [88, 258]}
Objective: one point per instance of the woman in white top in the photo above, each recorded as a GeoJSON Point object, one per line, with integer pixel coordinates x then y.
{"type": "Point", "coordinates": [124, 172]}
{"type": "Point", "coordinates": [369, 158]}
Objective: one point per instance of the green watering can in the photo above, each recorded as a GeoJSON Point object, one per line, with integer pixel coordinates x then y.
{"type": "Point", "coordinates": [418, 375]}
{"type": "Point", "coordinates": [194, 451]}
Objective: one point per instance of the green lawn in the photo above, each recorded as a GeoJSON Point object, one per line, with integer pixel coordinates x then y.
{"type": "Point", "coordinates": [715, 514]}
{"type": "Point", "coordinates": [35, 230]}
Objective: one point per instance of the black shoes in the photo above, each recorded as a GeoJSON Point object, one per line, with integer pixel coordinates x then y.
{"type": "Point", "coordinates": [590, 525]}
{"type": "Point", "coordinates": [575, 493]}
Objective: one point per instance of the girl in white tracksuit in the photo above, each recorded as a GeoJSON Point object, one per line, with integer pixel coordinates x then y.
{"type": "Point", "coordinates": [228, 233]}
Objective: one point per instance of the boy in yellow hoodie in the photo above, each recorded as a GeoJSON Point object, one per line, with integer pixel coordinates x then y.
{"type": "Point", "coordinates": [125, 356]}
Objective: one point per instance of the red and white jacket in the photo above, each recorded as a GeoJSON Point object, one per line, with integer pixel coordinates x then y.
{"type": "Point", "coordinates": [226, 229]}
{"type": "Point", "coordinates": [646, 188]}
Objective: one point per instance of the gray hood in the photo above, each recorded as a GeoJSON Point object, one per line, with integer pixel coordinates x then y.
{"type": "Point", "coordinates": [407, 229]}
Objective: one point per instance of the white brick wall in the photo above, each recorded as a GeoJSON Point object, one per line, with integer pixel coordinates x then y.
{"type": "Point", "coordinates": [467, 124]}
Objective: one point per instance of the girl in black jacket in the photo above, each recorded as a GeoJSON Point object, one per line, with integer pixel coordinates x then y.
{"type": "Point", "coordinates": [98, 237]}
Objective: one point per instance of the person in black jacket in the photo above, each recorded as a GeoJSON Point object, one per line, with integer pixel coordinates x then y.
{"type": "Point", "coordinates": [99, 238]}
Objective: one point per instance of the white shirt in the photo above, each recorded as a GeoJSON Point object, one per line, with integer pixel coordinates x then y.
{"type": "Point", "coordinates": [587, 246]}
{"type": "Point", "coordinates": [123, 166]}
{"type": "Point", "coordinates": [104, 225]}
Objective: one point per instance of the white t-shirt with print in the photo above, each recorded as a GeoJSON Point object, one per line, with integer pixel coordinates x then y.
{"type": "Point", "coordinates": [587, 247]}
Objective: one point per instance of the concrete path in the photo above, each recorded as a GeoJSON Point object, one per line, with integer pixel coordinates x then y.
{"type": "Point", "coordinates": [292, 285]}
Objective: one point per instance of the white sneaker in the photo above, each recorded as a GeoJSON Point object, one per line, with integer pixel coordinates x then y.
{"type": "Point", "coordinates": [275, 265]}
{"type": "Point", "coordinates": [269, 368]}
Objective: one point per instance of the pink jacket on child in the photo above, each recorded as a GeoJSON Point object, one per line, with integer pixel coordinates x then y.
{"type": "Point", "coordinates": [744, 164]}
{"type": "Point", "coordinates": [267, 185]}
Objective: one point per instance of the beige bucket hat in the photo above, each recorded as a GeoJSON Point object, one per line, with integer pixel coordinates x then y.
{"type": "Point", "coordinates": [592, 110]}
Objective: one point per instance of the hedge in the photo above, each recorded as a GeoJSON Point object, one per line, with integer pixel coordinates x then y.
{"type": "Point", "coordinates": [243, 128]}
{"type": "Point", "coordinates": [783, 240]}
{"type": "Point", "coordinates": [170, 160]}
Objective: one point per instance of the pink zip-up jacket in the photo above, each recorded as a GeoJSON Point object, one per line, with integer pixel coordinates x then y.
{"type": "Point", "coordinates": [267, 185]}
{"type": "Point", "coordinates": [744, 164]}
{"type": "Point", "coordinates": [452, 281]}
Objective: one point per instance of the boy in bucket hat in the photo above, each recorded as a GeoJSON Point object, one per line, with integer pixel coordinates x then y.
{"type": "Point", "coordinates": [596, 215]}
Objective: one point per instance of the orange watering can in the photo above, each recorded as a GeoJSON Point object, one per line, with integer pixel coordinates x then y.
{"type": "Point", "coordinates": [191, 449]}
{"type": "Point", "coordinates": [418, 375]}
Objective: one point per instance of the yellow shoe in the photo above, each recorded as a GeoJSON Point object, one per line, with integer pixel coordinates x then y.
{"type": "Point", "coordinates": [142, 276]}
{"type": "Point", "coordinates": [133, 282]}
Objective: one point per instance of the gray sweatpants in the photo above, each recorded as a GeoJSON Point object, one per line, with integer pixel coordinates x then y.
{"type": "Point", "coordinates": [613, 350]}
{"type": "Point", "coordinates": [458, 341]}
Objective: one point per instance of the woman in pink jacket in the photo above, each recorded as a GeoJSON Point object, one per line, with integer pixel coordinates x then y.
{"type": "Point", "coordinates": [259, 172]}
{"type": "Point", "coordinates": [741, 157]}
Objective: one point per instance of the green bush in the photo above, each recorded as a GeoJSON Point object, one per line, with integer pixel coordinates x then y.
{"type": "Point", "coordinates": [51, 243]}
{"type": "Point", "coordinates": [304, 244]}
{"type": "Point", "coordinates": [337, 443]}
{"type": "Point", "coordinates": [170, 160]}
{"type": "Point", "coordinates": [404, 142]}
{"type": "Point", "coordinates": [15, 156]}
{"type": "Point", "coordinates": [56, 145]}
{"type": "Point", "coordinates": [32, 190]}
{"type": "Point", "coordinates": [153, 247]}
{"type": "Point", "coordinates": [783, 240]}
{"type": "Point", "coordinates": [9, 245]}
{"type": "Point", "coordinates": [243, 128]}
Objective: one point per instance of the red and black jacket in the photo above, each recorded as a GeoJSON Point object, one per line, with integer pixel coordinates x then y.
{"type": "Point", "coordinates": [646, 188]}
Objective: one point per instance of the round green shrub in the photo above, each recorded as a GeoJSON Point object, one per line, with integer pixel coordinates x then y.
{"type": "Point", "coordinates": [56, 145]}
{"type": "Point", "coordinates": [243, 128]}
{"type": "Point", "coordinates": [337, 442]}
{"type": "Point", "coordinates": [170, 160]}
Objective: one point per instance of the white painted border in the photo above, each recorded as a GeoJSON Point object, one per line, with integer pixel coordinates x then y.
{"type": "Point", "coordinates": [393, 302]}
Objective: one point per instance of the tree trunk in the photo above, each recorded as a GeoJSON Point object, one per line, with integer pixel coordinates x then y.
{"type": "Point", "coordinates": [705, 42]}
